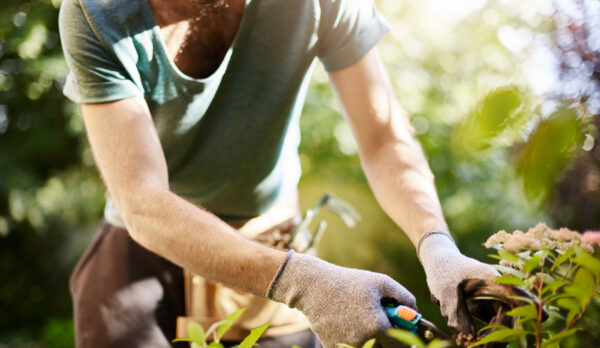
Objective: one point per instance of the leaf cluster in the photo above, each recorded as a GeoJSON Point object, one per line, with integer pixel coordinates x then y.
{"type": "Point", "coordinates": [198, 337]}
{"type": "Point", "coordinates": [563, 283]}
{"type": "Point", "coordinates": [406, 337]}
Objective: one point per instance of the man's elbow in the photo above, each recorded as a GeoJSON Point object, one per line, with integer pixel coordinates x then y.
{"type": "Point", "coordinates": [139, 208]}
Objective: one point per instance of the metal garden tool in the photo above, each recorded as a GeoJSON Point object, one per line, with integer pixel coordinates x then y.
{"type": "Point", "coordinates": [334, 204]}
{"type": "Point", "coordinates": [406, 318]}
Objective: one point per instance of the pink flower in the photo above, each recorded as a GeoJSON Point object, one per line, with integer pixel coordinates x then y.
{"type": "Point", "coordinates": [591, 237]}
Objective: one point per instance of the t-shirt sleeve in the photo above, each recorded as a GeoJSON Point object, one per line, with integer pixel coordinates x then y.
{"type": "Point", "coordinates": [347, 31]}
{"type": "Point", "coordinates": [95, 74]}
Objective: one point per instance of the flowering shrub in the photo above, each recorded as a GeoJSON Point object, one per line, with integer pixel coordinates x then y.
{"type": "Point", "coordinates": [560, 269]}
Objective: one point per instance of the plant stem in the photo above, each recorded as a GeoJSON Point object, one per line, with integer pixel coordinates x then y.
{"type": "Point", "coordinates": [538, 328]}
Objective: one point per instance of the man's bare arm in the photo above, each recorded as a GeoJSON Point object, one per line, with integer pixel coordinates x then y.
{"type": "Point", "coordinates": [392, 158]}
{"type": "Point", "coordinates": [129, 155]}
{"type": "Point", "coordinates": [400, 177]}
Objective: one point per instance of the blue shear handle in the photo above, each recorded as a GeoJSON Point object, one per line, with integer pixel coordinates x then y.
{"type": "Point", "coordinates": [399, 322]}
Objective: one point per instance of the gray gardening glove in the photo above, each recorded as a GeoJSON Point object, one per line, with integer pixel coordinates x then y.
{"type": "Point", "coordinates": [343, 305]}
{"type": "Point", "coordinates": [454, 279]}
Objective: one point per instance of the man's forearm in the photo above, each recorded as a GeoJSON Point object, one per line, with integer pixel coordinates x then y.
{"type": "Point", "coordinates": [129, 155]}
{"type": "Point", "coordinates": [392, 158]}
{"type": "Point", "coordinates": [403, 184]}
{"type": "Point", "coordinates": [199, 241]}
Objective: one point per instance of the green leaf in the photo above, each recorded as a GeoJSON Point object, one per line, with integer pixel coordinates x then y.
{"type": "Point", "coordinates": [525, 312]}
{"type": "Point", "coordinates": [510, 280]}
{"type": "Point", "coordinates": [521, 322]}
{"type": "Point", "coordinates": [505, 255]}
{"type": "Point", "coordinates": [583, 287]}
{"type": "Point", "coordinates": [369, 344]}
{"type": "Point", "coordinates": [553, 285]}
{"type": "Point", "coordinates": [524, 254]}
{"type": "Point", "coordinates": [548, 278]}
{"type": "Point", "coordinates": [521, 298]}
{"type": "Point", "coordinates": [493, 326]}
{"type": "Point", "coordinates": [550, 146]}
{"type": "Point", "coordinates": [438, 343]}
{"type": "Point", "coordinates": [183, 339]}
{"type": "Point", "coordinates": [558, 337]}
{"type": "Point", "coordinates": [501, 335]}
{"type": "Point", "coordinates": [215, 345]}
{"type": "Point", "coordinates": [406, 337]}
{"type": "Point", "coordinates": [553, 345]}
{"type": "Point", "coordinates": [530, 282]}
{"type": "Point", "coordinates": [571, 315]}
{"type": "Point", "coordinates": [254, 335]}
{"type": "Point", "coordinates": [489, 298]}
{"type": "Point", "coordinates": [500, 113]}
{"type": "Point", "coordinates": [296, 346]}
{"type": "Point", "coordinates": [589, 262]}
{"type": "Point", "coordinates": [554, 316]}
{"type": "Point", "coordinates": [532, 263]}
{"type": "Point", "coordinates": [509, 270]}
{"type": "Point", "coordinates": [228, 321]}
{"type": "Point", "coordinates": [571, 304]}
{"type": "Point", "coordinates": [568, 303]}
{"type": "Point", "coordinates": [562, 258]}
{"type": "Point", "coordinates": [214, 326]}
{"type": "Point", "coordinates": [196, 333]}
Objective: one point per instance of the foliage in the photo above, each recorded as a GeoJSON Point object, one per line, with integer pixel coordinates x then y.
{"type": "Point", "coordinates": [551, 146]}
{"type": "Point", "coordinates": [413, 340]}
{"type": "Point", "coordinates": [50, 192]}
{"type": "Point", "coordinates": [406, 337]}
{"type": "Point", "coordinates": [559, 270]}
{"type": "Point", "coordinates": [198, 337]}
{"type": "Point", "coordinates": [369, 344]}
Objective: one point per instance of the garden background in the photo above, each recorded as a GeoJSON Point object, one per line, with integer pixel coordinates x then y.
{"type": "Point", "coordinates": [503, 94]}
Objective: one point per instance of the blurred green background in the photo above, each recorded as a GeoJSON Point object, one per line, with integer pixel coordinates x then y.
{"type": "Point", "coordinates": [503, 94]}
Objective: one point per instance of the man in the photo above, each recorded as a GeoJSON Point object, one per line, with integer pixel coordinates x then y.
{"type": "Point", "coordinates": [191, 108]}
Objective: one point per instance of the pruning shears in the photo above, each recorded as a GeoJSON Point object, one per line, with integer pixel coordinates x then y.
{"type": "Point", "coordinates": [406, 318]}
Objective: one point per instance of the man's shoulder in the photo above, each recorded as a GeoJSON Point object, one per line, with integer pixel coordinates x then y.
{"type": "Point", "coordinates": [108, 18]}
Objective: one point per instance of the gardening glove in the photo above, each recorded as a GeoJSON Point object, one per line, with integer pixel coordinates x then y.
{"type": "Point", "coordinates": [455, 281]}
{"type": "Point", "coordinates": [343, 305]}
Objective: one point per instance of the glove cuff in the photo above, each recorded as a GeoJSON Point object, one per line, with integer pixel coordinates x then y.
{"type": "Point", "coordinates": [285, 262]}
{"type": "Point", "coordinates": [435, 249]}
{"type": "Point", "coordinates": [432, 235]}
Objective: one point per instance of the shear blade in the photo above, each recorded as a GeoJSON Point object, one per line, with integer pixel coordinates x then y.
{"type": "Point", "coordinates": [427, 325]}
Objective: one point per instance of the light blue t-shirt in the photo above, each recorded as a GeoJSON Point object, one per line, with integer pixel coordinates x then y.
{"type": "Point", "coordinates": [231, 139]}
